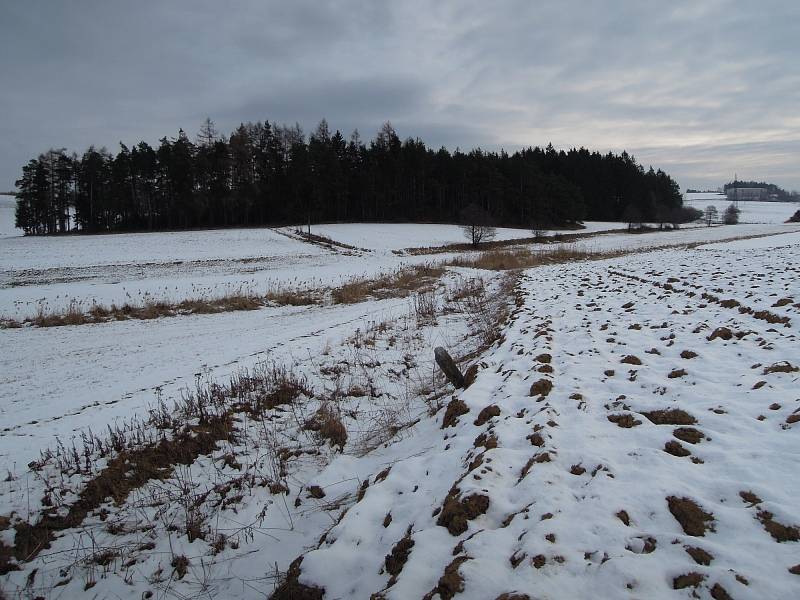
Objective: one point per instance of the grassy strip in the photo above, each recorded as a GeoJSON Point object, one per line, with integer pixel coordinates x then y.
{"type": "Point", "coordinates": [397, 284]}
{"type": "Point", "coordinates": [524, 258]}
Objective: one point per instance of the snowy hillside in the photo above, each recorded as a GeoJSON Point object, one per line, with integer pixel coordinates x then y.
{"type": "Point", "coordinates": [629, 430]}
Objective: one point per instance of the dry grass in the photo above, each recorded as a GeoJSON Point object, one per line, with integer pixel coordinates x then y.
{"type": "Point", "coordinates": [524, 258]}
{"type": "Point", "coordinates": [397, 284]}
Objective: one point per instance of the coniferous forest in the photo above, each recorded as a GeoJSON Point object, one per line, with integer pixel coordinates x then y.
{"type": "Point", "coordinates": [268, 174]}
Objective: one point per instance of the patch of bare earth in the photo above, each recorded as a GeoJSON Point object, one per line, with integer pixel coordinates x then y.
{"type": "Point", "coordinates": [692, 519]}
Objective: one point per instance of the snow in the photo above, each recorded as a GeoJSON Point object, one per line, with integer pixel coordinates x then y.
{"type": "Point", "coordinates": [59, 382]}
{"type": "Point", "coordinates": [751, 211]}
{"type": "Point", "coordinates": [398, 236]}
{"type": "Point", "coordinates": [44, 274]}
{"type": "Point", "coordinates": [7, 229]}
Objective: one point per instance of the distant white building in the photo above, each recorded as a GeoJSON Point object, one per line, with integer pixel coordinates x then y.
{"type": "Point", "coordinates": [747, 193]}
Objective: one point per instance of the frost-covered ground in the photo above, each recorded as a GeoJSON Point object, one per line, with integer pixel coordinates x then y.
{"type": "Point", "coordinates": [751, 211]}
{"type": "Point", "coordinates": [542, 495]}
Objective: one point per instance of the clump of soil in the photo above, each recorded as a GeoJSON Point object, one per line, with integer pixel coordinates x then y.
{"type": "Point", "coordinates": [577, 470]}
{"type": "Point", "coordinates": [688, 354]}
{"type": "Point", "coordinates": [395, 561]}
{"type": "Point", "coordinates": [781, 367]}
{"type": "Point", "coordinates": [690, 435]}
{"type": "Point", "coordinates": [513, 596]}
{"type": "Point", "coordinates": [779, 532]}
{"type": "Point", "coordinates": [770, 317]}
{"type": "Point", "coordinates": [624, 517]}
{"type": "Point", "coordinates": [470, 376]}
{"type": "Point", "coordinates": [487, 441]}
{"type": "Point", "coordinates": [675, 373]}
{"type": "Point", "coordinates": [455, 513]}
{"type": "Point", "coordinates": [720, 593]}
{"type": "Point", "coordinates": [316, 492]}
{"type": "Point", "coordinates": [625, 420]}
{"type": "Point", "coordinates": [538, 561]}
{"type": "Point", "coordinates": [672, 416]}
{"type": "Point", "coordinates": [487, 413]}
{"type": "Point", "coordinates": [722, 333]}
{"type": "Point", "coordinates": [631, 360]}
{"type": "Point", "coordinates": [451, 583]}
{"type": "Point", "coordinates": [693, 519]}
{"type": "Point", "coordinates": [536, 439]}
{"type": "Point", "coordinates": [541, 388]}
{"type": "Point", "coordinates": [688, 580]}
{"type": "Point", "coordinates": [292, 589]}
{"type": "Point", "coordinates": [793, 418]}
{"type": "Point", "coordinates": [700, 556]}
{"type": "Point", "coordinates": [455, 409]}
{"type": "Point", "coordinates": [750, 498]}
{"type": "Point", "coordinates": [675, 449]}
{"type": "Point", "coordinates": [544, 358]}
{"type": "Point", "coordinates": [795, 570]}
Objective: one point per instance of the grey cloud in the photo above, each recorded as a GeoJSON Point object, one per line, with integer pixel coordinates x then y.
{"type": "Point", "coordinates": [695, 88]}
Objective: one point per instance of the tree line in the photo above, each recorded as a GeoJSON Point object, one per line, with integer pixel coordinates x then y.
{"type": "Point", "coordinates": [269, 174]}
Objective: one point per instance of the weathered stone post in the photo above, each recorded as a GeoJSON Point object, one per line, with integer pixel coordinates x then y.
{"type": "Point", "coordinates": [448, 367]}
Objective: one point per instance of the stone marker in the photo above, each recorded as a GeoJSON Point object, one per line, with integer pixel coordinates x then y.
{"type": "Point", "coordinates": [448, 367]}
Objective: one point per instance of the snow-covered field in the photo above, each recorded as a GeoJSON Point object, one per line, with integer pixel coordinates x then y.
{"type": "Point", "coordinates": [7, 229]}
{"type": "Point", "coordinates": [751, 211]}
{"type": "Point", "coordinates": [393, 236]}
{"type": "Point", "coordinates": [542, 495]}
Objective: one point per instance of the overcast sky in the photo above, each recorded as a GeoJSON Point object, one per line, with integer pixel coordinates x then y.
{"type": "Point", "coordinates": [702, 89]}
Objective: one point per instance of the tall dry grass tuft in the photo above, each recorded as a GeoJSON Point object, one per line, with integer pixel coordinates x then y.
{"type": "Point", "coordinates": [397, 284]}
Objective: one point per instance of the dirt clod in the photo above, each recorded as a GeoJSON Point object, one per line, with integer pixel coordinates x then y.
{"type": "Point", "coordinates": [693, 519]}
{"type": "Point", "coordinates": [631, 360]}
{"type": "Point", "coordinates": [455, 409]}
{"type": "Point", "coordinates": [687, 580]}
{"type": "Point", "coordinates": [487, 413]}
{"type": "Point", "coordinates": [625, 420]}
{"type": "Point", "coordinates": [720, 593]}
{"type": "Point", "coordinates": [779, 531]}
{"type": "Point", "coordinates": [675, 449]}
{"type": "Point", "coordinates": [672, 416]}
{"type": "Point", "coordinates": [451, 583]}
{"type": "Point", "coordinates": [690, 435]}
{"type": "Point", "coordinates": [395, 561]}
{"type": "Point", "coordinates": [455, 513]}
{"type": "Point", "coordinates": [722, 333]}
{"type": "Point", "coordinates": [700, 556]}
{"type": "Point", "coordinates": [541, 388]}
{"type": "Point", "coordinates": [688, 354]}
{"type": "Point", "coordinates": [750, 498]}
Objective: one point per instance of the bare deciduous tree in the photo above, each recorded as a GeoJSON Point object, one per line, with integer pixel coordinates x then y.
{"type": "Point", "coordinates": [710, 215]}
{"type": "Point", "coordinates": [476, 224]}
